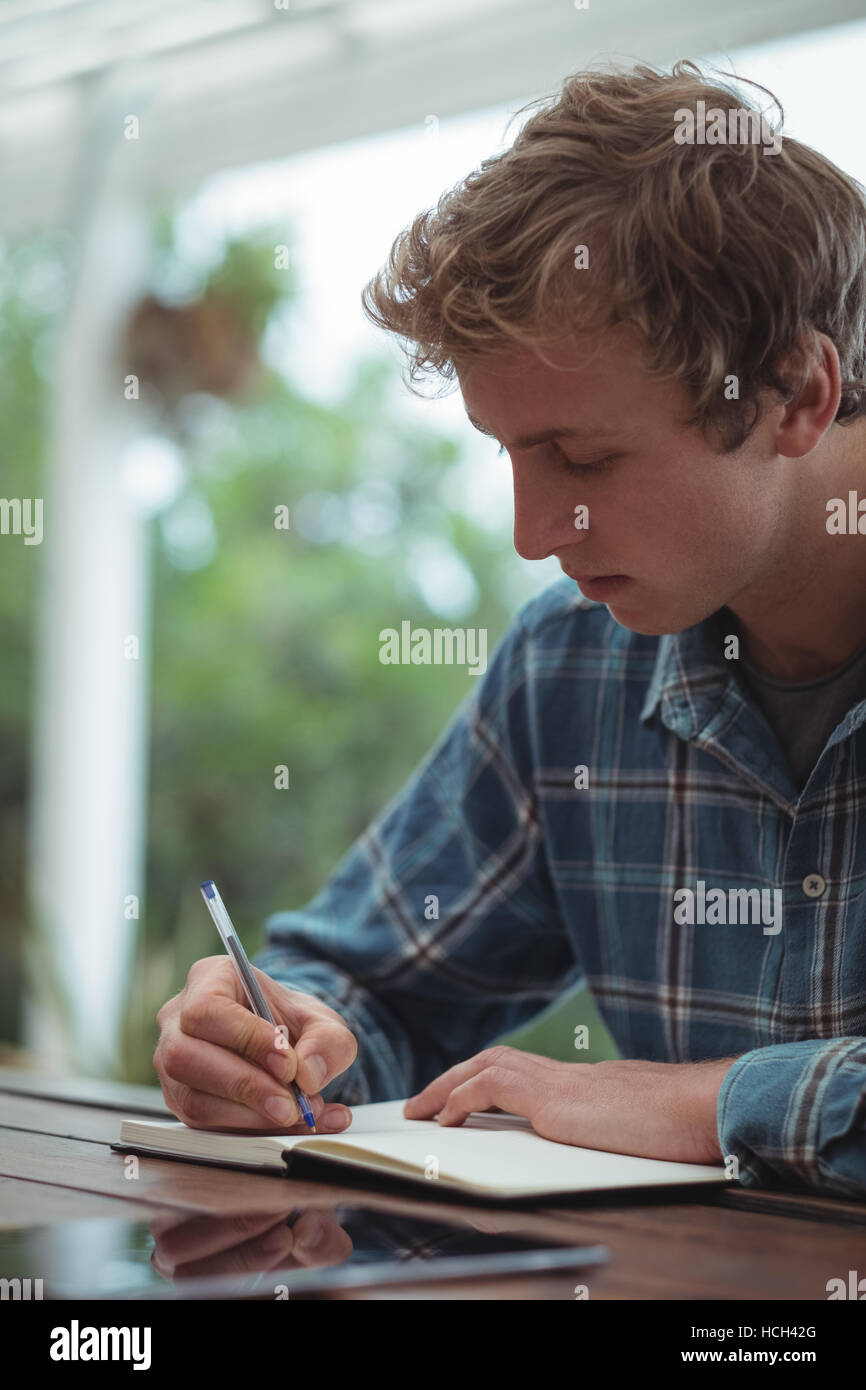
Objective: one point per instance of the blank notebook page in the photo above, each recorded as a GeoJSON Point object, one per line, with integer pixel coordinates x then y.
{"type": "Point", "coordinates": [496, 1152]}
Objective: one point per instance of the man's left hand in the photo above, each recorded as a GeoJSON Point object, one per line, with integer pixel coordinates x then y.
{"type": "Point", "coordinates": [650, 1109]}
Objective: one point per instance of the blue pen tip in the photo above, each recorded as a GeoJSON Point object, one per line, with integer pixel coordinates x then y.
{"type": "Point", "coordinates": [208, 888]}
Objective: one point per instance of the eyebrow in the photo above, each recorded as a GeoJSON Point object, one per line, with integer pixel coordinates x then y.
{"type": "Point", "coordinates": [528, 441]}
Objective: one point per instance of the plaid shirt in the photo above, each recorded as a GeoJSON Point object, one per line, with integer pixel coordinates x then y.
{"type": "Point", "coordinates": [492, 884]}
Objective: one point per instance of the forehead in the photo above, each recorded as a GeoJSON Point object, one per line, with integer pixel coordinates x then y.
{"type": "Point", "coordinates": [582, 379]}
{"type": "Point", "coordinates": [591, 387]}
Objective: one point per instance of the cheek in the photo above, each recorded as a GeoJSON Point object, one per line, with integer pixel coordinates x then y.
{"type": "Point", "coordinates": [694, 510]}
{"type": "Point", "coordinates": [704, 504]}
{"type": "Point", "coordinates": [679, 531]}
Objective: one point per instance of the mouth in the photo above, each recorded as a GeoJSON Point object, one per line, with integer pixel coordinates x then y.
{"type": "Point", "coordinates": [599, 586]}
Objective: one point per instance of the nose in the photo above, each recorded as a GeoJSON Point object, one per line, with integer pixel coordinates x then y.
{"type": "Point", "coordinates": [544, 518]}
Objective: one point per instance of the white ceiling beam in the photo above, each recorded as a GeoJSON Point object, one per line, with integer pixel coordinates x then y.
{"type": "Point", "coordinates": [337, 72]}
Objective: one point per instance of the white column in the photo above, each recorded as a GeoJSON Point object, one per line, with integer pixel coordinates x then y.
{"type": "Point", "coordinates": [90, 725]}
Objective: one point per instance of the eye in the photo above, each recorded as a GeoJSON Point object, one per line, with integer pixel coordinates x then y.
{"type": "Point", "coordinates": [570, 466]}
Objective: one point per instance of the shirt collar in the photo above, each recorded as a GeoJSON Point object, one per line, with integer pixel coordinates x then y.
{"type": "Point", "coordinates": [690, 679]}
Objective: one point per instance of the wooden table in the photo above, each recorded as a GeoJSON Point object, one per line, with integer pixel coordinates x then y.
{"type": "Point", "coordinates": [56, 1165]}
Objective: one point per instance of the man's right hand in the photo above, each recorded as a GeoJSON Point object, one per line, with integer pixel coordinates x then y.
{"type": "Point", "coordinates": [222, 1067]}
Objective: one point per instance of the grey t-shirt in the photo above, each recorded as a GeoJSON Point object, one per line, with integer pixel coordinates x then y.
{"type": "Point", "coordinates": [803, 714]}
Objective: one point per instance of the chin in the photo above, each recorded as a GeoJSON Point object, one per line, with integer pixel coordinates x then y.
{"type": "Point", "coordinates": [650, 624]}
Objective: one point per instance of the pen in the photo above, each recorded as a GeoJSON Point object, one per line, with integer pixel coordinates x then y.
{"type": "Point", "coordinates": [258, 1002]}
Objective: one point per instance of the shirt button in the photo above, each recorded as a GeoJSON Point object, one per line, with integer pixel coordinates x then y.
{"type": "Point", "coordinates": [814, 885]}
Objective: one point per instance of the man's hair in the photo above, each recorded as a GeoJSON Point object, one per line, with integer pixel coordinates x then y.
{"type": "Point", "coordinates": [726, 259]}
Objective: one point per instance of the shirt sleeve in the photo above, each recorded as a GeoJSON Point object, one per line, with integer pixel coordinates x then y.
{"type": "Point", "coordinates": [794, 1115]}
{"type": "Point", "coordinates": [439, 930]}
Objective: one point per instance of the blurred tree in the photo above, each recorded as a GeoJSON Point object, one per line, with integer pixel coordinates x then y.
{"type": "Point", "coordinates": [265, 648]}
{"type": "Point", "coordinates": [33, 279]}
{"type": "Point", "coordinates": [266, 637]}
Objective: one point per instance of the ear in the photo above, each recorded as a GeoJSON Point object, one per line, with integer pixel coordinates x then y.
{"type": "Point", "coordinates": [811, 412]}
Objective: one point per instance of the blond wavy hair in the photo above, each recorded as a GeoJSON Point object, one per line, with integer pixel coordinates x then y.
{"type": "Point", "coordinates": [728, 261]}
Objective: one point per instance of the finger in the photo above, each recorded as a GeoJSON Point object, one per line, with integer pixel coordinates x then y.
{"type": "Point", "coordinates": [205, 1068]}
{"type": "Point", "coordinates": [323, 1048]}
{"type": "Point", "coordinates": [215, 1015]}
{"type": "Point", "coordinates": [191, 1065]}
{"type": "Point", "coordinates": [244, 1257]}
{"type": "Point", "coordinates": [211, 1016]}
{"type": "Point", "coordinates": [210, 1088]}
{"type": "Point", "coordinates": [318, 1239]}
{"type": "Point", "coordinates": [513, 1090]}
{"type": "Point", "coordinates": [223, 1115]}
{"type": "Point", "coordinates": [200, 1237]}
{"type": "Point", "coordinates": [426, 1103]}
{"type": "Point", "coordinates": [429, 1101]}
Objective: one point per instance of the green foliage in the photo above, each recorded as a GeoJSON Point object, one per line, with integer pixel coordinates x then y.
{"type": "Point", "coordinates": [268, 656]}
{"type": "Point", "coordinates": [265, 641]}
{"type": "Point", "coordinates": [32, 279]}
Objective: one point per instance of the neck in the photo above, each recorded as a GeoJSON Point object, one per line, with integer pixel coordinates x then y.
{"type": "Point", "coordinates": [808, 616]}
{"type": "Point", "coordinates": [797, 655]}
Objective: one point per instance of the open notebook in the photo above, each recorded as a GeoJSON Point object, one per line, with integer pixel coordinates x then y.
{"type": "Point", "coordinates": [490, 1154]}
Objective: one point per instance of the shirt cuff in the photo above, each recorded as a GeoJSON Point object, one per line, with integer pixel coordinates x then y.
{"type": "Point", "coordinates": [794, 1115]}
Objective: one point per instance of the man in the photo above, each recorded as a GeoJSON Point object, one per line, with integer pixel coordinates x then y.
{"type": "Point", "coordinates": [658, 786]}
